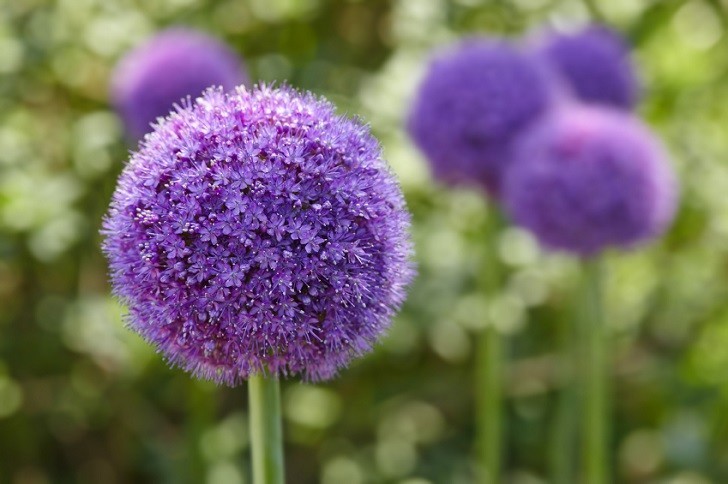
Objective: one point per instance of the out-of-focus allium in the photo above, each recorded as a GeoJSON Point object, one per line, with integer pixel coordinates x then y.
{"type": "Point", "coordinates": [589, 178]}
{"type": "Point", "coordinates": [170, 66]}
{"type": "Point", "coordinates": [596, 65]}
{"type": "Point", "coordinates": [475, 98]}
{"type": "Point", "coordinates": [257, 231]}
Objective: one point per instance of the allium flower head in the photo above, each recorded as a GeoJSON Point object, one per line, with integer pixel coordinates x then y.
{"type": "Point", "coordinates": [474, 99]}
{"type": "Point", "coordinates": [596, 65]}
{"type": "Point", "coordinates": [590, 178]}
{"type": "Point", "coordinates": [257, 231]}
{"type": "Point", "coordinates": [165, 69]}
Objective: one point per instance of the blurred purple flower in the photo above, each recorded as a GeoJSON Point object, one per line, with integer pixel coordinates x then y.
{"type": "Point", "coordinates": [170, 66]}
{"type": "Point", "coordinates": [589, 178]}
{"type": "Point", "coordinates": [596, 65]}
{"type": "Point", "coordinates": [296, 270]}
{"type": "Point", "coordinates": [475, 98]}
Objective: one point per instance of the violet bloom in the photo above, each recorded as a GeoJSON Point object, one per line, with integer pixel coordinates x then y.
{"type": "Point", "coordinates": [596, 65]}
{"type": "Point", "coordinates": [165, 69]}
{"type": "Point", "coordinates": [590, 178]}
{"type": "Point", "coordinates": [257, 231]}
{"type": "Point", "coordinates": [474, 99]}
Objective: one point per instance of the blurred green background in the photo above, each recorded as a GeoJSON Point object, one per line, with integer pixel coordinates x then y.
{"type": "Point", "coordinates": [84, 400]}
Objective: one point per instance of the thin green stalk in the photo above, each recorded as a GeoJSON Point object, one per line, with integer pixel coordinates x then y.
{"type": "Point", "coordinates": [563, 448]}
{"type": "Point", "coordinates": [490, 348]}
{"type": "Point", "coordinates": [594, 10]}
{"type": "Point", "coordinates": [266, 435]}
{"type": "Point", "coordinates": [595, 377]}
{"type": "Point", "coordinates": [489, 387]}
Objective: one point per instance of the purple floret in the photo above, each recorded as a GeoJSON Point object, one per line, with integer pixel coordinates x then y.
{"type": "Point", "coordinates": [474, 100]}
{"type": "Point", "coordinates": [259, 232]}
{"type": "Point", "coordinates": [165, 69]}
{"type": "Point", "coordinates": [590, 178]}
{"type": "Point", "coordinates": [595, 63]}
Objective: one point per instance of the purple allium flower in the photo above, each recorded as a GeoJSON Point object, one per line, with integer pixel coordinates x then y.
{"type": "Point", "coordinates": [475, 98]}
{"type": "Point", "coordinates": [165, 69]}
{"type": "Point", "coordinates": [257, 231]}
{"type": "Point", "coordinates": [589, 178]}
{"type": "Point", "coordinates": [596, 65]}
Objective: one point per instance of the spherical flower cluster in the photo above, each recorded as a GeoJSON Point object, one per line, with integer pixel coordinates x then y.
{"type": "Point", "coordinates": [257, 231]}
{"type": "Point", "coordinates": [589, 178]}
{"type": "Point", "coordinates": [596, 65]}
{"type": "Point", "coordinates": [474, 100]}
{"type": "Point", "coordinates": [167, 68]}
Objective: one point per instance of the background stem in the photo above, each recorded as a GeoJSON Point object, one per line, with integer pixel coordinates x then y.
{"type": "Point", "coordinates": [489, 366]}
{"type": "Point", "coordinates": [594, 11]}
{"type": "Point", "coordinates": [595, 376]}
{"type": "Point", "coordinates": [489, 403]}
{"type": "Point", "coordinates": [563, 448]}
{"type": "Point", "coordinates": [266, 435]}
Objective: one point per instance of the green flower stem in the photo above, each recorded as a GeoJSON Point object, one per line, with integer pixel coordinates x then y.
{"type": "Point", "coordinates": [593, 8]}
{"type": "Point", "coordinates": [266, 435]}
{"type": "Point", "coordinates": [563, 448]}
{"type": "Point", "coordinates": [489, 367]}
{"type": "Point", "coordinates": [489, 387]}
{"type": "Point", "coordinates": [595, 377]}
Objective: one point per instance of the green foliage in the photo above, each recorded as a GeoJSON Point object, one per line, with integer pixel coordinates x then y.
{"type": "Point", "coordinates": [84, 400]}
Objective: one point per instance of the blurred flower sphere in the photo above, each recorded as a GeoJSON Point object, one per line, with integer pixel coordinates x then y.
{"type": "Point", "coordinates": [167, 68]}
{"type": "Point", "coordinates": [588, 178]}
{"type": "Point", "coordinates": [476, 97]}
{"type": "Point", "coordinates": [259, 232]}
{"type": "Point", "coordinates": [596, 65]}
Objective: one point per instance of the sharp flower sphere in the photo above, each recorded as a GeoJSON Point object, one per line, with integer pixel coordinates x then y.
{"type": "Point", "coordinates": [257, 231]}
